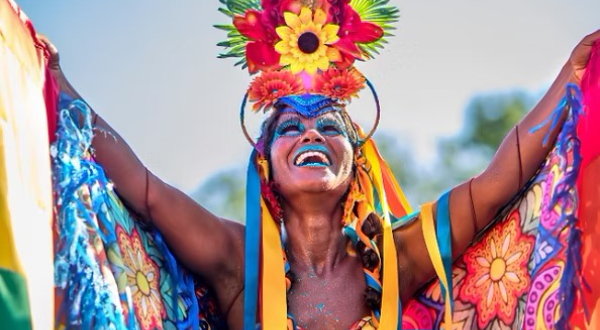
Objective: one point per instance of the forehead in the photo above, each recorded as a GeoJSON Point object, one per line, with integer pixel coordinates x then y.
{"type": "Point", "coordinates": [334, 115]}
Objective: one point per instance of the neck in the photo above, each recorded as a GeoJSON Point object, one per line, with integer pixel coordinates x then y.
{"type": "Point", "coordinates": [314, 233]}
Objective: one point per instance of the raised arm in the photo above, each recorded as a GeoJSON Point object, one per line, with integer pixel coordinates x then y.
{"type": "Point", "coordinates": [210, 246]}
{"type": "Point", "coordinates": [473, 204]}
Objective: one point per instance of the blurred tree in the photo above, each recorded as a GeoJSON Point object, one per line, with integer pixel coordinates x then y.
{"type": "Point", "coordinates": [488, 118]}
{"type": "Point", "coordinates": [224, 194]}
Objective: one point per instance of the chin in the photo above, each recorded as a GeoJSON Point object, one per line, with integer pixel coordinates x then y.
{"type": "Point", "coordinates": [317, 186]}
{"type": "Point", "coordinates": [321, 184]}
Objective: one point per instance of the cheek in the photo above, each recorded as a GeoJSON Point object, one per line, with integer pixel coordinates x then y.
{"type": "Point", "coordinates": [346, 151]}
{"type": "Point", "coordinates": [278, 155]}
{"type": "Point", "coordinates": [346, 155]}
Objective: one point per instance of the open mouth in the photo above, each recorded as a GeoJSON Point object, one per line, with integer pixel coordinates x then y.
{"type": "Point", "coordinates": [312, 157]}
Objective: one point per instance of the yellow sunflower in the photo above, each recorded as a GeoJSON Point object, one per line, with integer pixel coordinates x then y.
{"type": "Point", "coordinates": [305, 41]}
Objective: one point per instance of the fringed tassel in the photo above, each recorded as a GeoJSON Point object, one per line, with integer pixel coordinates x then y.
{"type": "Point", "coordinates": [88, 301]}
{"type": "Point", "coordinates": [564, 196]}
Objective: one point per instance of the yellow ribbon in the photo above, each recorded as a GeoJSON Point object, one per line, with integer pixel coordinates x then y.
{"type": "Point", "coordinates": [390, 290]}
{"type": "Point", "coordinates": [274, 304]}
{"type": "Point", "coordinates": [395, 196]}
{"type": "Point", "coordinates": [431, 242]}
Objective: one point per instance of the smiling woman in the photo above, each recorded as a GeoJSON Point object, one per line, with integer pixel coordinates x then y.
{"type": "Point", "coordinates": [330, 241]}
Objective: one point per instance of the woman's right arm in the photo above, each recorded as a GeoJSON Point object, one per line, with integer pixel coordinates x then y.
{"type": "Point", "coordinates": [201, 240]}
{"type": "Point", "coordinates": [205, 243]}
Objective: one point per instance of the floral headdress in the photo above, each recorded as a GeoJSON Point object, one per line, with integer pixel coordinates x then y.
{"type": "Point", "coordinates": [305, 46]}
{"type": "Point", "coordinates": [301, 53]}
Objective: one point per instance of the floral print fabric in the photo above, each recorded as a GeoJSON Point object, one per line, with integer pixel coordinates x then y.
{"type": "Point", "coordinates": [510, 278]}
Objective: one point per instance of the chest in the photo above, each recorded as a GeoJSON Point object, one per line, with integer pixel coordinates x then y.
{"type": "Point", "coordinates": [328, 301]}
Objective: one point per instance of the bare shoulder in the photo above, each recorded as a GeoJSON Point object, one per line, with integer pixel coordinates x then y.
{"type": "Point", "coordinates": [411, 251]}
{"type": "Point", "coordinates": [236, 230]}
{"type": "Point", "coordinates": [229, 280]}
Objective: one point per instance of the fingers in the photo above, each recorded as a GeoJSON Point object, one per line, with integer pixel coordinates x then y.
{"type": "Point", "coordinates": [591, 38]}
{"type": "Point", "coordinates": [51, 48]}
{"type": "Point", "coordinates": [53, 61]}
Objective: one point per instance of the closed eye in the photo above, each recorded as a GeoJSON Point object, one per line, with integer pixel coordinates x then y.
{"type": "Point", "coordinates": [331, 129]}
{"type": "Point", "coordinates": [329, 126]}
{"type": "Point", "coordinates": [290, 128]}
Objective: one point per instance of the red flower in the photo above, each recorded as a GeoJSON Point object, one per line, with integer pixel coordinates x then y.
{"type": "Point", "coordinates": [260, 52]}
{"type": "Point", "coordinates": [353, 31]}
{"type": "Point", "coordinates": [270, 86]}
{"type": "Point", "coordinates": [346, 61]}
{"type": "Point", "coordinates": [341, 84]}
{"type": "Point", "coordinates": [280, 6]}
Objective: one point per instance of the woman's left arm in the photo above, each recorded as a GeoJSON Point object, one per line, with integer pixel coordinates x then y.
{"type": "Point", "coordinates": [519, 156]}
{"type": "Point", "coordinates": [474, 203]}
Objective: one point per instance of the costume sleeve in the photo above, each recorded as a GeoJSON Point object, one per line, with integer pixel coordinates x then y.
{"type": "Point", "coordinates": [111, 268]}
{"type": "Point", "coordinates": [533, 266]}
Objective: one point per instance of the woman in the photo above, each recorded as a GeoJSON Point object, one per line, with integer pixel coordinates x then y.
{"type": "Point", "coordinates": [320, 178]}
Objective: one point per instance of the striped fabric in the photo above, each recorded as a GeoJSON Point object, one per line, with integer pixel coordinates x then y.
{"type": "Point", "coordinates": [26, 276]}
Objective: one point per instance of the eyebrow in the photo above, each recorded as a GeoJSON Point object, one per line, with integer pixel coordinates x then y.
{"type": "Point", "coordinates": [335, 119]}
{"type": "Point", "coordinates": [289, 116]}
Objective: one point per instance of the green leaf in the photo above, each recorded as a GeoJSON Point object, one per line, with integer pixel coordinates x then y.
{"type": "Point", "coordinates": [235, 42]}
{"type": "Point", "coordinates": [228, 27]}
{"type": "Point", "coordinates": [380, 13]}
{"type": "Point", "coordinates": [226, 12]}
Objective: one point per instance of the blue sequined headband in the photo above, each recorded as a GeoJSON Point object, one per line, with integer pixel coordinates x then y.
{"type": "Point", "coordinates": [310, 106]}
{"type": "Point", "coordinates": [307, 105]}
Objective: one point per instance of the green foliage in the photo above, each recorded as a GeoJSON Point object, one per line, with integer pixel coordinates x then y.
{"type": "Point", "coordinates": [488, 118]}
{"type": "Point", "coordinates": [224, 194]}
{"type": "Point", "coordinates": [380, 13]}
{"type": "Point", "coordinates": [235, 42]}
{"type": "Point", "coordinates": [238, 7]}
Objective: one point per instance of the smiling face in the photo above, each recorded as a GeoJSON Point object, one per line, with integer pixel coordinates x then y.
{"type": "Point", "coordinates": [311, 155]}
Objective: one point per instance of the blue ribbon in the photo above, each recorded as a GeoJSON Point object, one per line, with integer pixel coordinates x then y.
{"type": "Point", "coordinates": [252, 249]}
{"type": "Point", "coordinates": [444, 238]}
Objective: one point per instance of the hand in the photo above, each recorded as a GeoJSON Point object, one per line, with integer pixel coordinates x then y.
{"type": "Point", "coordinates": [581, 54]}
{"type": "Point", "coordinates": [54, 66]}
{"type": "Point", "coordinates": [54, 60]}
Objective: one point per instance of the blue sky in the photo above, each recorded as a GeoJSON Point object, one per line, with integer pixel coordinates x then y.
{"type": "Point", "coordinates": [150, 69]}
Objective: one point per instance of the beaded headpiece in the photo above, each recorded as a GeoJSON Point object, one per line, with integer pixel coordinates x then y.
{"type": "Point", "coordinates": [301, 54]}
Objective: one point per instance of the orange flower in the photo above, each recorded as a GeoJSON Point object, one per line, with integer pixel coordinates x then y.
{"type": "Point", "coordinates": [341, 84]}
{"type": "Point", "coordinates": [270, 86]}
{"type": "Point", "coordinates": [497, 273]}
{"type": "Point", "coordinates": [142, 276]}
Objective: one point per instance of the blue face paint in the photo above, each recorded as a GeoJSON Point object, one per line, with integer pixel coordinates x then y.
{"type": "Point", "coordinates": [290, 127]}
{"type": "Point", "coordinates": [331, 127]}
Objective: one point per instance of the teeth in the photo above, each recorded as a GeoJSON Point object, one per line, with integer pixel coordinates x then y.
{"type": "Point", "coordinates": [307, 154]}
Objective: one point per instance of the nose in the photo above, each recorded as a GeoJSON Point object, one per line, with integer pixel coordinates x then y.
{"type": "Point", "coordinates": [312, 136]}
